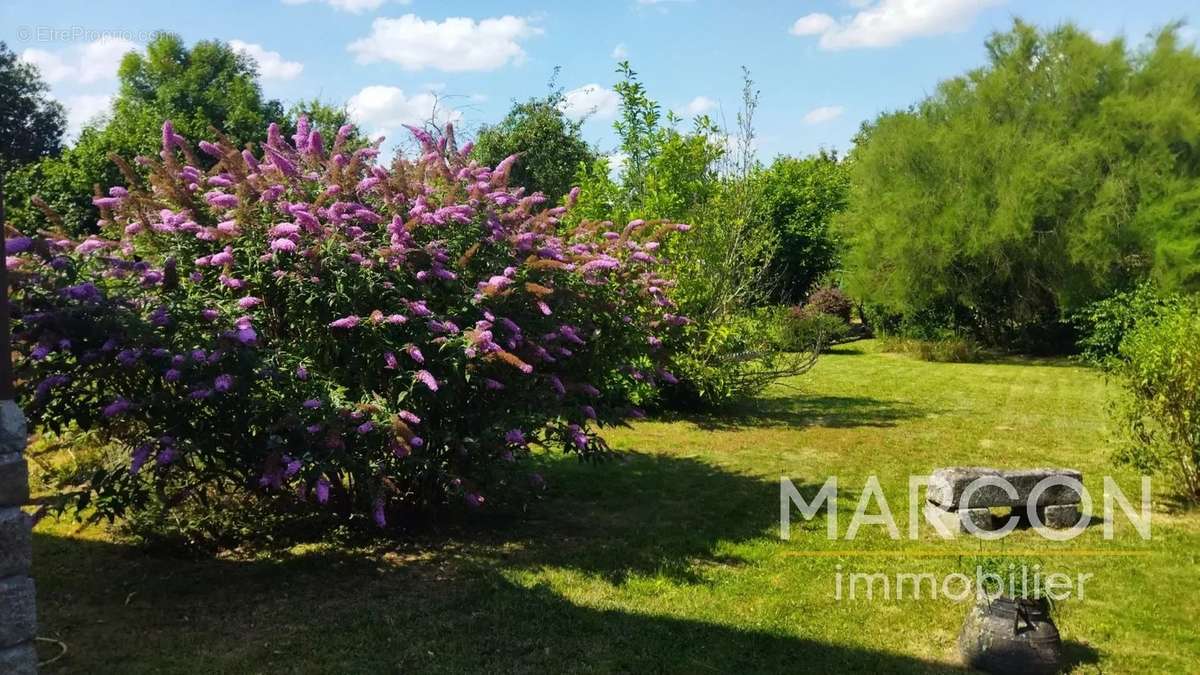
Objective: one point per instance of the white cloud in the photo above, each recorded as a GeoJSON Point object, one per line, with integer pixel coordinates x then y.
{"type": "Point", "coordinates": [456, 44]}
{"type": "Point", "coordinates": [620, 52]}
{"type": "Point", "coordinates": [616, 164]}
{"type": "Point", "coordinates": [826, 113]}
{"type": "Point", "coordinates": [699, 106]}
{"type": "Point", "coordinates": [590, 99]}
{"type": "Point", "coordinates": [82, 109]}
{"type": "Point", "coordinates": [82, 64]}
{"type": "Point", "coordinates": [381, 110]}
{"type": "Point", "coordinates": [890, 22]}
{"type": "Point", "coordinates": [352, 6]}
{"type": "Point", "coordinates": [812, 24]}
{"type": "Point", "coordinates": [271, 65]}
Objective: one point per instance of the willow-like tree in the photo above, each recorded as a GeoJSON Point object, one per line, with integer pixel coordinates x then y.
{"type": "Point", "coordinates": [1062, 170]}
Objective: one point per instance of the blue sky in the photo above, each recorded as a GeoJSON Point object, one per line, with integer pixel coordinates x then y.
{"type": "Point", "coordinates": [822, 66]}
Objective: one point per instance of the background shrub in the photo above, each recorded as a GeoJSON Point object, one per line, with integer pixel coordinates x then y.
{"type": "Point", "coordinates": [550, 144]}
{"type": "Point", "coordinates": [1160, 371]}
{"type": "Point", "coordinates": [1104, 324]}
{"type": "Point", "coordinates": [806, 330]}
{"type": "Point", "coordinates": [343, 336]}
{"type": "Point", "coordinates": [723, 272]}
{"type": "Point", "coordinates": [947, 349]}
{"type": "Point", "coordinates": [797, 197]}
{"type": "Point", "coordinates": [830, 300]}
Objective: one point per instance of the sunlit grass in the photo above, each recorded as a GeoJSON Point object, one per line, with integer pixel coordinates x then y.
{"type": "Point", "coordinates": [669, 560]}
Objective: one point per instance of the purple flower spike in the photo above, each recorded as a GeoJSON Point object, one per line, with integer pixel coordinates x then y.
{"type": "Point", "coordinates": [118, 407]}
{"type": "Point", "coordinates": [379, 512]}
{"type": "Point", "coordinates": [426, 378]}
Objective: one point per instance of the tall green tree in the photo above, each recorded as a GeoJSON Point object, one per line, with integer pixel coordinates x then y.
{"type": "Point", "coordinates": [206, 86]}
{"type": "Point", "coordinates": [1063, 169]}
{"type": "Point", "coordinates": [551, 145]}
{"type": "Point", "coordinates": [31, 123]}
{"type": "Point", "coordinates": [798, 198]}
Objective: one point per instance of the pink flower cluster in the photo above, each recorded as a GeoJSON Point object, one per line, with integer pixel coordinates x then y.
{"type": "Point", "coordinates": [369, 336]}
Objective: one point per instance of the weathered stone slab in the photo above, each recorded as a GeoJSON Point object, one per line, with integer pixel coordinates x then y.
{"type": "Point", "coordinates": [954, 521]}
{"type": "Point", "coordinates": [14, 480]}
{"type": "Point", "coordinates": [19, 660]}
{"type": "Point", "coordinates": [1061, 516]}
{"type": "Point", "coordinates": [947, 486]}
{"type": "Point", "coordinates": [18, 611]}
{"type": "Point", "coordinates": [15, 542]}
{"type": "Point", "coordinates": [13, 433]}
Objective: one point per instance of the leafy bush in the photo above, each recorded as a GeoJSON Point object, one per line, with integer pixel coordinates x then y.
{"type": "Point", "coordinates": [306, 324]}
{"type": "Point", "coordinates": [736, 358]}
{"type": "Point", "coordinates": [830, 300]}
{"type": "Point", "coordinates": [1160, 370]}
{"type": "Point", "coordinates": [805, 330]}
{"type": "Point", "coordinates": [1104, 324]}
{"type": "Point", "coordinates": [702, 176]}
{"type": "Point", "coordinates": [798, 198]}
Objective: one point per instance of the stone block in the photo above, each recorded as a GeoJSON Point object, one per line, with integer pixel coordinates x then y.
{"type": "Point", "coordinates": [947, 486]}
{"type": "Point", "coordinates": [18, 610]}
{"type": "Point", "coordinates": [953, 519]}
{"type": "Point", "coordinates": [15, 542]}
{"type": "Point", "coordinates": [13, 432]}
{"type": "Point", "coordinates": [1060, 517]}
{"type": "Point", "coordinates": [19, 660]}
{"type": "Point", "coordinates": [14, 480]}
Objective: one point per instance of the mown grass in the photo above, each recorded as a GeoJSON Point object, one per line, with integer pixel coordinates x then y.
{"type": "Point", "coordinates": [669, 560]}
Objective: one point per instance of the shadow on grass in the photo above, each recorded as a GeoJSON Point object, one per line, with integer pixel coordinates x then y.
{"type": "Point", "coordinates": [801, 411]}
{"type": "Point", "coordinates": [465, 602]}
{"type": "Point", "coordinates": [1077, 654]}
{"type": "Point", "coordinates": [340, 613]}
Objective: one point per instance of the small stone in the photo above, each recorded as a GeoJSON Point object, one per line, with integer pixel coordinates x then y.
{"type": "Point", "coordinates": [18, 611]}
{"type": "Point", "coordinates": [1060, 517]}
{"type": "Point", "coordinates": [14, 480]}
{"type": "Point", "coordinates": [19, 660]}
{"type": "Point", "coordinates": [15, 542]}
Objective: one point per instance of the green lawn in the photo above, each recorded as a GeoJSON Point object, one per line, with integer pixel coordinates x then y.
{"type": "Point", "coordinates": [669, 561]}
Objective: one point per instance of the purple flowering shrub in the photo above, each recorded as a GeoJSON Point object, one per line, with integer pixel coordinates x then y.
{"type": "Point", "coordinates": [306, 323]}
